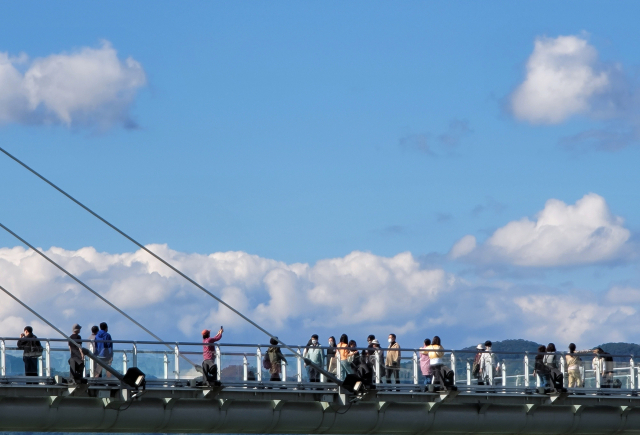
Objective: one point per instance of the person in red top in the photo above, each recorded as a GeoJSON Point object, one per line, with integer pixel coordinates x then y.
{"type": "Point", "coordinates": [209, 366]}
{"type": "Point", "coordinates": [208, 351]}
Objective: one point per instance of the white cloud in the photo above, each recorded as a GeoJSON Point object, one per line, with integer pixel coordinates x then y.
{"type": "Point", "coordinates": [563, 76]}
{"type": "Point", "coordinates": [90, 86]}
{"type": "Point", "coordinates": [360, 293]}
{"type": "Point", "coordinates": [463, 247]}
{"type": "Point", "coordinates": [561, 235]}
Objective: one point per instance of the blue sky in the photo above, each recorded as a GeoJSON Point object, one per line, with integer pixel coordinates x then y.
{"type": "Point", "coordinates": [301, 132]}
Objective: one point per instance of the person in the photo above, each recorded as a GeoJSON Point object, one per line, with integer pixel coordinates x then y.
{"type": "Point", "coordinates": [315, 354]}
{"type": "Point", "coordinates": [605, 363]}
{"type": "Point", "coordinates": [31, 351]}
{"type": "Point", "coordinates": [477, 360]}
{"type": "Point", "coordinates": [92, 337]}
{"type": "Point", "coordinates": [425, 363]}
{"type": "Point", "coordinates": [436, 359]}
{"type": "Point", "coordinates": [275, 356]}
{"type": "Point", "coordinates": [343, 357]}
{"type": "Point", "coordinates": [209, 367]}
{"type": "Point", "coordinates": [551, 363]}
{"type": "Point", "coordinates": [354, 356]}
{"type": "Point", "coordinates": [331, 356]}
{"type": "Point", "coordinates": [392, 361]}
{"type": "Point", "coordinates": [104, 348]}
{"type": "Point", "coordinates": [76, 357]}
{"type": "Point", "coordinates": [573, 367]}
{"type": "Point", "coordinates": [487, 360]}
{"type": "Point", "coordinates": [539, 369]}
{"type": "Point", "coordinates": [366, 352]}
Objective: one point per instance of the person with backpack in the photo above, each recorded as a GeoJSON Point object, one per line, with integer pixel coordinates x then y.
{"type": "Point", "coordinates": [552, 363]}
{"type": "Point", "coordinates": [475, 369]}
{"type": "Point", "coordinates": [76, 359]}
{"type": "Point", "coordinates": [314, 354]}
{"type": "Point", "coordinates": [539, 369]}
{"type": "Point", "coordinates": [425, 363]}
{"type": "Point", "coordinates": [487, 361]}
{"type": "Point", "coordinates": [573, 367]}
{"type": "Point", "coordinates": [209, 366]}
{"type": "Point", "coordinates": [31, 351]}
{"type": "Point", "coordinates": [104, 348]}
{"type": "Point", "coordinates": [273, 360]}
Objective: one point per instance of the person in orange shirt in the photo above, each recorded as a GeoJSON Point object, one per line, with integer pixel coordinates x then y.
{"type": "Point", "coordinates": [343, 356]}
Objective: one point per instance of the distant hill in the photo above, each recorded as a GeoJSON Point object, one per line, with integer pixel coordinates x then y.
{"type": "Point", "coordinates": [512, 345]}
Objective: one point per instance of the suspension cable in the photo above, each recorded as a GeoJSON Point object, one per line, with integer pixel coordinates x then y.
{"type": "Point", "coordinates": [329, 375]}
{"type": "Point", "coordinates": [102, 298]}
{"type": "Point", "coordinates": [87, 352]}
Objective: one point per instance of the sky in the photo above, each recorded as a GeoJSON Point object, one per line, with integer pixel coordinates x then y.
{"type": "Point", "coordinates": [459, 169]}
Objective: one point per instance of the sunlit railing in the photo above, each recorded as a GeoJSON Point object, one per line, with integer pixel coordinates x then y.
{"type": "Point", "coordinates": [242, 365]}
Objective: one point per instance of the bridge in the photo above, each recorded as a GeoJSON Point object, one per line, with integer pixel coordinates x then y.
{"type": "Point", "coordinates": [247, 402]}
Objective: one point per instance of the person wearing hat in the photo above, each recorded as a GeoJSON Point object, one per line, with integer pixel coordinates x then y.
{"type": "Point", "coordinates": [376, 354]}
{"type": "Point", "coordinates": [76, 360]}
{"type": "Point", "coordinates": [209, 352]}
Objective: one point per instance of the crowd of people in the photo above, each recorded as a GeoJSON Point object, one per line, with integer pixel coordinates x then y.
{"type": "Point", "coordinates": [340, 359]}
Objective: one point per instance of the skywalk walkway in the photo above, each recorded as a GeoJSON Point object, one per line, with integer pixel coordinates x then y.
{"type": "Point", "coordinates": [174, 400]}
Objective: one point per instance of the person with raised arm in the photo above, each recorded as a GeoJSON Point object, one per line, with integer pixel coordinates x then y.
{"type": "Point", "coordinates": [31, 351]}
{"type": "Point", "coordinates": [209, 366]}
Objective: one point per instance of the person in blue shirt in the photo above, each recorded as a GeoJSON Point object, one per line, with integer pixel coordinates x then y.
{"type": "Point", "coordinates": [104, 348]}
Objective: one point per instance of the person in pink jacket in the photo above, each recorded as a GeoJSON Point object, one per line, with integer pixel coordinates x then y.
{"type": "Point", "coordinates": [425, 363]}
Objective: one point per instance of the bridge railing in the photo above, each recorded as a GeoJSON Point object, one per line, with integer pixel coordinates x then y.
{"type": "Point", "coordinates": [243, 365]}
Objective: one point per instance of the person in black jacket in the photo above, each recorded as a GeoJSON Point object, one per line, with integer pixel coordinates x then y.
{"type": "Point", "coordinates": [32, 349]}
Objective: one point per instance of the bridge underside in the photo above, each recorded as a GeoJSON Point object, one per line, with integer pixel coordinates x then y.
{"type": "Point", "coordinates": [41, 408]}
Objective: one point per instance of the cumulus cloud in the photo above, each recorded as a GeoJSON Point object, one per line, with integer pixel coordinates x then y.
{"type": "Point", "coordinates": [88, 87]}
{"type": "Point", "coordinates": [563, 75]}
{"type": "Point", "coordinates": [561, 235]}
{"type": "Point", "coordinates": [360, 293]}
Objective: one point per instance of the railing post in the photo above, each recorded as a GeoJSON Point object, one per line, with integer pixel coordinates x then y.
{"type": "Point", "coordinates": [47, 350]}
{"type": "Point", "coordinates": [3, 359]}
{"type": "Point", "coordinates": [526, 370]}
{"type": "Point", "coordinates": [338, 366]}
{"type": "Point", "coordinates": [124, 361]}
{"type": "Point", "coordinates": [92, 364]}
{"type": "Point", "coordinates": [40, 366]}
{"type": "Point", "coordinates": [632, 374]}
{"type": "Point", "coordinates": [504, 374]}
{"type": "Point", "coordinates": [176, 356]}
{"type": "Point", "coordinates": [598, 372]}
{"type": "Point", "coordinates": [415, 368]}
{"type": "Point", "coordinates": [283, 370]}
{"type": "Point", "coordinates": [563, 370]}
{"type": "Point", "coordinates": [135, 355]}
{"type": "Point", "coordinates": [377, 366]}
{"type": "Point", "coordinates": [166, 365]}
{"type": "Point", "coordinates": [468, 373]}
{"type": "Point", "coordinates": [453, 368]}
{"type": "Point", "coordinates": [259, 365]}
{"type": "Point", "coordinates": [299, 360]}
{"type": "Point", "coordinates": [245, 368]}
{"type": "Point", "coordinates": [219, 362]}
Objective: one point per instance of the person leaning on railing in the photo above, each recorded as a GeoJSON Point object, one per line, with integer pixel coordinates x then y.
{"type": "Point", "coordinates": [436, 356]}
{"type": "Point", "coordinates": [31, 350]}
{"type": "Point", "coordinates": [573, 367]}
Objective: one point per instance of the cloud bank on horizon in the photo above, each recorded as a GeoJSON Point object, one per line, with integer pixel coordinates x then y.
{"type": "Point", "coordinates": [358, 292]}
{"type": "Point", "coordinates": [89, 87]}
